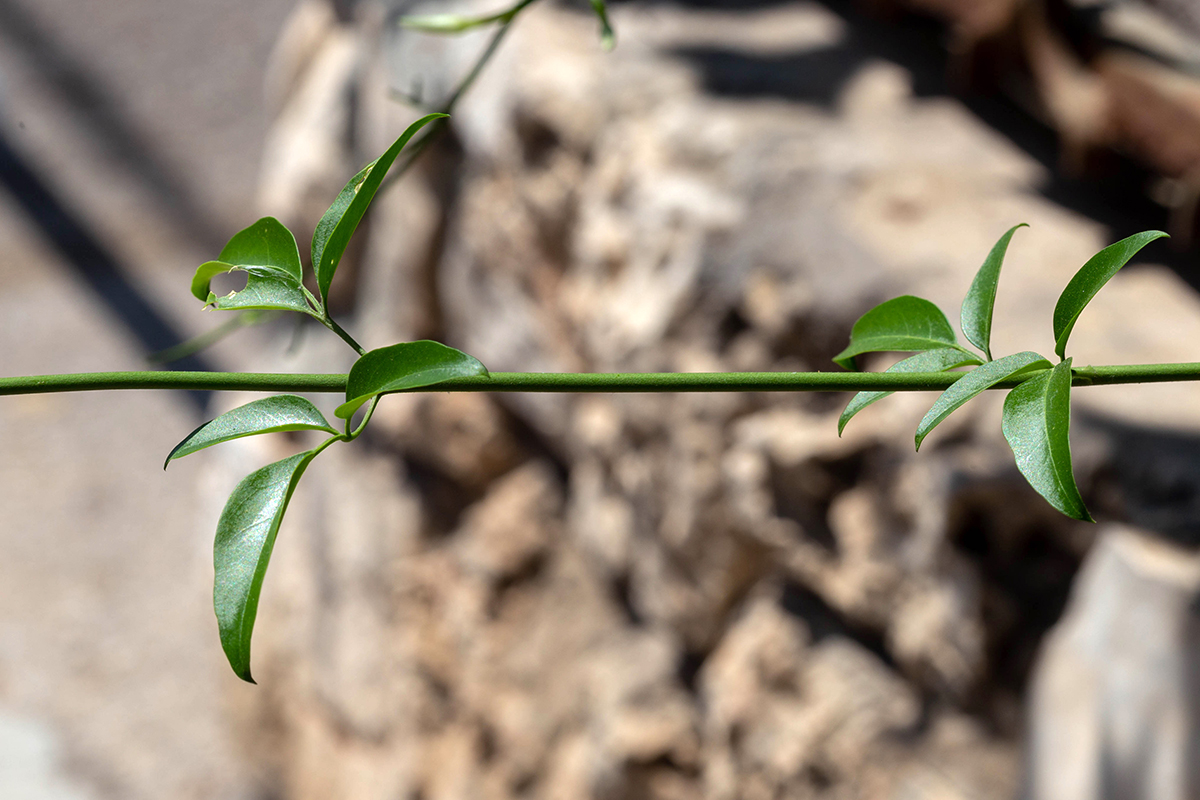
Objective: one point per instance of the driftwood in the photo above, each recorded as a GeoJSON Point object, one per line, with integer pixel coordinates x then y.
{"type": "Point", "coordinates": [1123, 80]}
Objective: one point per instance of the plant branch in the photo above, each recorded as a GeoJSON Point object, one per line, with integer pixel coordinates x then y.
{"type": "Point", "coordinates": [505, 20]}
{"type": "Point", "coordinates": [207, 339]}
{"type": "Point", "coordinates": [585, 381]}
{"type": "Point", "coordinates": [347, 338]}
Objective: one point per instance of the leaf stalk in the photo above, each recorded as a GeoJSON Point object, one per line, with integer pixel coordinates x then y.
{"type": "Point", "coordinates": [347, 338]}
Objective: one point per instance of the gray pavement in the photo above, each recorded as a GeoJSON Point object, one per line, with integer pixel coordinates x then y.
{"type": "Point", "coordinates": [141, 124]}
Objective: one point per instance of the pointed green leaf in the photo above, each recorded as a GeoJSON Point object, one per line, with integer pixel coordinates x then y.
{"type": "Point", "coordinates": [267, 252]}
{"type": "Point", "coordinates": [271, 414]}
{"type": "Point", "coordinates": [929, 361]}
{"type": "Point", "coordinates": [408, 365]}
{"type": "Point", "coordinates": [1090, 278]}
{"type": "Point", "coordinates": [245, 537]}
{"type": "Point", "coordinates": [977, 380]}
{"type": "Point", "coordinates": [608, 39]}
{"type": "Point", "coordinates": [337, 226]}
{"type": "Point", "coordinates": [903, 324]}
{"type": "Point", "coordinates": [981, 297]}
{"type": "Point", "coordinates": [1037, 421]}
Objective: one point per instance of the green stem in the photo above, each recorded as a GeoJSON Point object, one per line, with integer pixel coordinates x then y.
{"type": "Point", "coordinates": [584, 381]}
{"type": "Point", "coordinates": [347, 338]}
{"type": "Point", "coordinates": [352, 435]}
{"type": "Point", "coordinates": [207, 339]}
{"type": "Point", "coordinates": [1135, 373]}
{"type": "Point", "coordinates": [198, 381]}
{"type": "Point", "coordinates": [437, 127]}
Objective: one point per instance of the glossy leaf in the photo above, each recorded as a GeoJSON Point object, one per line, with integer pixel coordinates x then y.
{"type": "Point", "coordinates": [608, 39]}
{"type": "Point", "coordinates": [267, 252]}
{"type": "Point", "coordinates": [408, 365]}
{"type": "Point", "coordinates": [980, 301]}
{"type": "Point", "coordinates": [337, 226]}
{"type": "Point", "coordinates": [266, 243]}
{"type": "Point", "coordinates": [902, 324]}
{"type": "Point", "coordinates": [269, 415]}
{"type": "Point", "coordinates": [1037, 421]}
{"type": "Point", "coordinates": [245, 537]}
{"type": "Point", "coordinates": [929, 361]}
{"type": "Point", "coordinates": [446, 23]}
{"type": "Point", "coordinates": [1089, 279]}
{"type": "Point", "coordinates": [266, 288]}
{"type": "Point", "coordinates": [977, 380]}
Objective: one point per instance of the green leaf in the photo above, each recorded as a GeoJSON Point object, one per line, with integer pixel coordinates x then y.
{"type": "Point", "coordinates": [929, 361]}
{"type": "Point", "coordinates": [408, 365]}
{"type": "Point", "coordinates": [1091, 276]}
{"type": "Point", "coordinates": [271, 414]}
{"type": "Point", "coordinates": [446, 23]}
{"type": "Point", "coordinates": [266, 288]}
{"type": "Point", "coordinates": [266, 243]}
{"type": "Point", "coordinates": [608, 39]}
{"type": "Point", "coordinates": [903, 324]}
{"type": "Point", "coordinates": [1037, 421]}
{"type": "Point", "coordinates": [981, 297]}
{"type": "Point", "coordinates": [977, 380]}
{"type": "Point", "coordinates": [337, 226]}
{"type": "Point", "coordinates": [245, 537]}
{"type": "Point", "coordinates": [266, 251]}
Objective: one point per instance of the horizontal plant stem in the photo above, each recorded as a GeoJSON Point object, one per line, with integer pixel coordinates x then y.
{"type": "Point", "coordinates": [1135, 373]}
{"type": "Point", "coordinates": [581, 381]}
{"type": "Point", "coordinates": [164, 379]}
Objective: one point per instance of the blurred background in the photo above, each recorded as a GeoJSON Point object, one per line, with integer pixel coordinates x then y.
{"type": "Point", "coordinates": [667, 596]}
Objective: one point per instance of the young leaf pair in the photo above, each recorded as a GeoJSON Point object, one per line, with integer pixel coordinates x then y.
{"type": "Point", "coordinates": [267, 251]}
{"type": "Point", "coordinates": [1037, 412]}
{"type": "Point", "coordinates": [250, 522]}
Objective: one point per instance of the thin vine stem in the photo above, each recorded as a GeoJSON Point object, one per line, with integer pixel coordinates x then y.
{"type": "Point", "coordinates": [347, 338]}
{"type": "Point", "coordinates": [351, 435]}
{"type": "Point", "coordinates": [584, 382]}
{"type": "Point", "coordinates": [504, 20]}
{"type": "Point", "coordinates": [437, 128]}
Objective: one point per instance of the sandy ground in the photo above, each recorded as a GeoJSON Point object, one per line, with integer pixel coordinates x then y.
{"type": "Point", "coordinates": [143, 122]}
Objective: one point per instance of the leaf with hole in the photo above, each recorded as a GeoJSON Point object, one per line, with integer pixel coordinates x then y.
{"type": "Point", "coordinates": [408, 365]}
{"type": "Point", "coordinates": [339, 222]}
{"type": "Point", "coordinates": [1037, 422]}
{"type": "Point", "coordinates": [608, 39]}
{"type": "Point", "coordinates": [980, 301]}
{"type": "Point", "coordinates": [245, 537]}
{"type": "Point", "coordinates": [286, 412]}
{"type": "Point", "coordinates": [1089, 280]}
{"type": "Point", "coordinates": [977, 380]}
{"type": "Point", "coordinates": [903, 324]}
{"type": "Point", "coordinates": [267, 252]}
{"type": "Point", "coordinates": [939, 360]}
